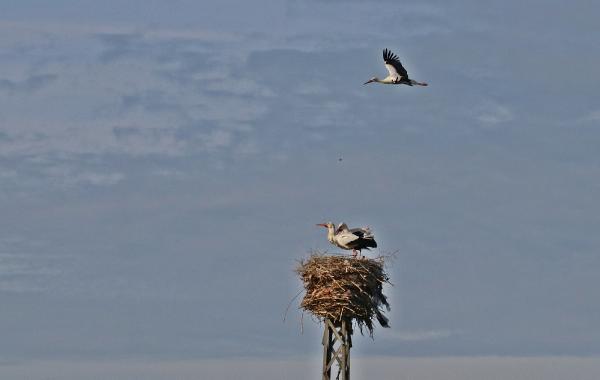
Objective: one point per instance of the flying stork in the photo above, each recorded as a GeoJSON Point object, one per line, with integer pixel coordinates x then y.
{"type": "Point", "coordinates": [398, 74]}
{"type": "Point", "coordinates": [355, 239]}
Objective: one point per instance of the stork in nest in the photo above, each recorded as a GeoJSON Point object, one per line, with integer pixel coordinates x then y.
{"type": "Point", "coordinates": [355, 239]}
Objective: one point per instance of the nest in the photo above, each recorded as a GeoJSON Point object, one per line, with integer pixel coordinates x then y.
{"type": "Point", "coordinates": [345, 288]}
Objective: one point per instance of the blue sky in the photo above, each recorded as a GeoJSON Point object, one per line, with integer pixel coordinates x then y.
{"type": "Point", "coordinates": [163, 165]}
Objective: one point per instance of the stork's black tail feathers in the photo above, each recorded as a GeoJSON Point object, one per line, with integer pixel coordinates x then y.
{"type": "Point", "coordinates": [378, 300]}
{"type": "Point", "coordinates": [382, 319]}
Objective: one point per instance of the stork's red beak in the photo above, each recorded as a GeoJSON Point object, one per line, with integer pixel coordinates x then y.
{"type": "Point", "coordinates": [322, 225]}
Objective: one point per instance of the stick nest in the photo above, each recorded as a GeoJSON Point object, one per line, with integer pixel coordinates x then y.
{"type": "Point", "coordinates": [345, 288]}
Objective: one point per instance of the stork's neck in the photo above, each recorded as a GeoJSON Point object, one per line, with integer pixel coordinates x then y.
{"type": "Point", "coordinates": [331, 234]}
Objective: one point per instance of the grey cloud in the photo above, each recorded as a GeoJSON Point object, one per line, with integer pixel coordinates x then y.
{"type": "Point", "coordinates": [73, 175]}
{"type": "Point", "coordinates": [179, 100]}
{"type": "Point", "coordinates": [155, 101]}
{"type": "Point", "coordinates": [131, 45]}
{"type": "Point", "coordinates": [118, 45]}
{"type": "Point", "coordinates": [165, 50]}
{"type": "Point", "coordinates": [28, 85]}
{"type": "Point", "coordinates": [25, 273]}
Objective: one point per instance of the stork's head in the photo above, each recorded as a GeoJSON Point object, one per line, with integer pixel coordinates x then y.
{"type": "Point", "coordinates": [328, 225]}
{"type": "Point", "coordinates": [374, 79]}
{"type": "Point", "coordinates": [330, 231]}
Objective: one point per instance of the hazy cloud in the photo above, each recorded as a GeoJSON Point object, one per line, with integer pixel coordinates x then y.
{"type": "Point", "coordinates": [27, 85]}
{"type": "Point", "coordinates": [493, 114]}
{"type": "Point", "coordinates": [420, 335]}
{"type": "Point", "coordinates": [22, 272]}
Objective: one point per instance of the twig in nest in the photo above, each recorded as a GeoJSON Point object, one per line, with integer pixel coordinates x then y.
{"type": "Point", "coordinates": [290, 304]}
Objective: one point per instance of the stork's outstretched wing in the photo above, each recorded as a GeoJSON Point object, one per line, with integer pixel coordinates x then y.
{"type": "Point", "coordinates": [393, 65]}
{"type": "Point", "coordinates": [341, 228]}
{"type": "Point", "coordinates": [346, 237]}
{"type": "Point", "coordinates": [363, 232]}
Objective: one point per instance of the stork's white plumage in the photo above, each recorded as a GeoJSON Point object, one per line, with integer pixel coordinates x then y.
{"type": "Point", "coordinates": [355, 239]}
{"type": "Point", "coordinates": [397, 72]}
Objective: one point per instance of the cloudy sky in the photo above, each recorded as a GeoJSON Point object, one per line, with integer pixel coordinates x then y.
{"type": "Point", "coordinates": [163, 165]}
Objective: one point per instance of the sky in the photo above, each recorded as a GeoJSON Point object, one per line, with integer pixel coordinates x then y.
{"type": "Point", "coordinates": [163, 165]}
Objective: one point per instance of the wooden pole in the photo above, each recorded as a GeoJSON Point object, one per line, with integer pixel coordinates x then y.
{"type": "Point", "coordinates": [337, 340]}
{"type": "Point", "coordinates": [327, 349]}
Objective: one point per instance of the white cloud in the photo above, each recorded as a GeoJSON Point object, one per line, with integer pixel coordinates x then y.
{"type": "Point", "coordinates": [493, 114]}
{"type": "Point", "coordinates": [593, 116]}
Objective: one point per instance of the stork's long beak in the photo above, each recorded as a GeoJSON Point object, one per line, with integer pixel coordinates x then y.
{"type": "Point", "coordinates": [322, 225]}
{"type": "Point", "coordinates": [369, 81]}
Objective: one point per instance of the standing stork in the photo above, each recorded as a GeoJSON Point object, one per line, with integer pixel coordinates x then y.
{"type": "Point", "coordinates": [355, 239]}
{"type": "Point", "coordinates": [398, 74]}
